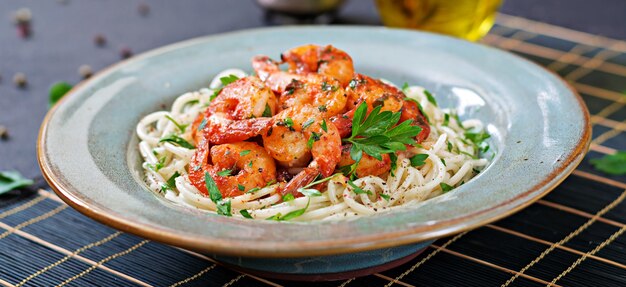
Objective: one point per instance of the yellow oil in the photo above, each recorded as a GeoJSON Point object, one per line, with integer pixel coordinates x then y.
{"type": "Point", "coordinates": [469, 19]}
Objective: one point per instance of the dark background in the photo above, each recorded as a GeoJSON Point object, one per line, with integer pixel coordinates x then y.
{"type": "Point", "coordinates": [62, 40]}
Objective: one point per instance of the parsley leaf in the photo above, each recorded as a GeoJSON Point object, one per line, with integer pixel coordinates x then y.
{"type": "Point", "coordinates": [312, 139]}
{"type": "Point", "coordinates": [430, 97]}
{"type": "Point", "coordinates": [10, 180]}
{"type": "Point", "coordinates": [379, 133]}
{"type": "Point", "coordinates": [385, 197]}
{"type": "Point", "coordinates": [225, 172]}
{"type": "Point", "coordinates": [288, 197]}
{"type": "Point", "coordinates": [309, 192]}
{"type": "Point", "coordinates": [182, 128]}
{"type": "Point", "coordinates": [324, 126]}
{"type": "Point", "coordinates": [171, 182]}
{"type": "Point", "coordinates": [241, 187]}
{"type": "Point", "coordinates": [614, 164]}
{"type": "Point", "coordinates": [418, 159]}
{"type": "Point", "coordinates": [358, 190]}
{"type": "Point", "coordinates": [267, 112]}
{"type": "Point", "coordinates": [445, 187]}
{"type": "Point", "coordinates": [57, 91]}
{"type": "Point", "coordinates": [223, 207]}
{"type": "Point", "coordinates": [307, 123]}
{"type": "Point", "coordinates": [245, 213]}
{"type": "Point", "coordinates": [244, 152]}
{"type": "Point", "coordinates": [446, 119]}
{"type": "Point", "coordinates": [178, 141]}
{"type": "Point", "coordinates": [405, 87]}
{"type": "Point", "coordinates": [225, 81]}
{"type": "Point", "coordinates": [477, 138]}
{"type": "Point", "coordinates": [202, 124]}
{"type": "Point", "coordinates": [290, 215]}
{"type": "Point", "coordinates": [253, 190]}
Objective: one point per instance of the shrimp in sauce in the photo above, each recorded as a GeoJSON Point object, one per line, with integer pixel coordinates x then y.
{"type": "Point", "coordinates": [298, 135]}
{"type": "Point", "coordinates": [235, 167]}
{"type": "Point", "coordinates": [236, 114]}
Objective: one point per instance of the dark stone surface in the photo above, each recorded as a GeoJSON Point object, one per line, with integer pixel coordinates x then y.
{"type": "Point", "coordinates": [63, 39]}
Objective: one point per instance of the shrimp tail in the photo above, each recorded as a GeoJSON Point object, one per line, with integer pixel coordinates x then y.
{"type": "Point", "coordinates": [304, 177]}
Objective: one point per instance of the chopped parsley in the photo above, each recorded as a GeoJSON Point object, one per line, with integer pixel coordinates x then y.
{"type": "Point", "coordinates": [202, 124]}
{"type": "Point", "coordinates": [10, 180]}
{"type": "Point", "coordinates": [358, 190]}
{"type": "Point", "coordinates": [405, 87]}
{"type": "Point", "coordinates": [225, 172]}
{"type": "Point", "coordinates": [322, 108]}
{"type": "Point", "coordinates": [327, 87]}
{"type": "Point", "coordinates": [178, 141]}
{"type": "Point", "coordinates": [245, 213]}
{"type": "Point", "coordinates": [223, 207]}
{"type": "Point", "coordinates": [180, 127]}
{"type": "Point", "coordinates": [307, 123]}
{"type": "Point", "coordinates": [267, 112]}
{"type": "Point", "coordinates": [225, 82]}
{"type": "Point", "coordinates": [288, 197]}
{"type": "Point", "coordinates": [253, 190]}
{"type": "Point", "coordinates": [614, 164]}
{"type": "Point", "coordinates": [446, 119]}
{"type": "Point", "coordinates": [308, 191]}
{"type": "Point", "coordinates": [379, 133]}
{"type": "Point", "coordinates": [418, 159]}
{"type": "Point", "coordinates": [445, 187]}
{"type": "Point", "coordinates": [385, 197]}
{"type": "Point", "coordinates": [244, 152]}
{"type": "Point", "coordinates": [324, 126]}
{"type": "Point", "coordinates": [430, 97]}
{"type": "Point", "coordinates": [312, 139]}
{"type": "Point", "coordinates": [241, 187]}
{"type": "Point", "coordinates": [290, 215]}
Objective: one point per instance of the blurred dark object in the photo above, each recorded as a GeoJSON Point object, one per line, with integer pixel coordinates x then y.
{"type": "Point", "coordinates": [283, 12]}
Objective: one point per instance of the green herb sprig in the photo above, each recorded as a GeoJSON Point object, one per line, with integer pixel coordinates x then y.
{"type": "Point", "coordinates": [178, 141]}
{"type": "Point", "coordinates": [614, 164]}
{"type": "Point", "coordinates": [223, 206]}
{"type": "Point", "coordinates": [379, 133]}
{"type": "Point", "coordinates": [225, 81]}
{"type": "Point", "coordinates": [10, 180]}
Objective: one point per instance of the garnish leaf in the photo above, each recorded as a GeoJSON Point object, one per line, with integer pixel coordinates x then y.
{"type": "Point", "coordinates": [225, 172]}
{"type": "Point", "coordinates": [57, 91]}
{"type": "Point", "coordinates": [171, 182]}
{"type": "Point", "coordinates": [244, 152]}
{"type": "Point", "coordinates": [180, 127]}
{"type": "Point", "coordinates": [295, 213]}
{"type": "Point", "coordinates": [178, 141]}
{"type": "Point", "coordinates": [225, 81]}
{"type": "Point", "coordinates": [385, 197]}
{"type": "Point", "coordinates": [445, 187]}
{"type": "Point", "coordinates": [379, 133]}
{"type": "Point", "coordinates": [358, 190]}
{"type": "Point", "coordinates": [430, 97]}
{"type": "Point", "coordinates": [324, 126]}
{"type": "Point", "coordinates": [10, 180]}
{"type": "Point", "coordinates": [418, 159]}
{"type": "Point", "coordinates": [614, 164]}
{"type": "Point", "coordinates": [253, 190]}
{"type": "Point", "coordinates": [245, 213]}
{"type": "Point", "coordinates": [307, 123]}
{"type": "Point", "coordinates": [405, 87]}
{"type": "Point", "coordinates": [241, 187]}
{"type": "Point", "coordinates": [267, 112]}
{"type": "Point", "coordinates": [288, 197]}
{"type": "Point", "coordinates": [202, 124]}
{"type": "Point", "coordinates": [309, 192]}
{"type": "Point", "coordinates": [223, 206]}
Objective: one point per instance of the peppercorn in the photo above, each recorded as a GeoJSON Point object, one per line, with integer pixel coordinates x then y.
{"type": "Point", "coordinates": [85, 71]}
{"type": "Point", "coordinates": [19, 80]}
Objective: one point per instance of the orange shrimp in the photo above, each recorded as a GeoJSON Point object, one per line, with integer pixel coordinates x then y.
{"type": "Point", "coordinates": [328, 61]}
{"type": "Point", "coordinates": [235, 167]}
{"type": "Point", "coordinates": [318, 90]}
{"type": "Point", "coordinates": [299, 134]}
{"type": "Point", "coordinates": [236, 114]}
{"type": "Point", "coordinates": [368, 164]}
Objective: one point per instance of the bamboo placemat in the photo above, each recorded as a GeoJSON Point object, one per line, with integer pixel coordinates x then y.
{"type": "Point", "coordinates": [571, 237]}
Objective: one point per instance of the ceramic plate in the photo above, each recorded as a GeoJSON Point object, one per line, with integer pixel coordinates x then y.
{"type": "Point", "coordinates": [539, 126]}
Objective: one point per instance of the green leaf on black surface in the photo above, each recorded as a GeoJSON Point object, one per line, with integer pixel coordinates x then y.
{"type": "Point", "coordinates": [614, 164]}
{"type": "Point", "coordinates": [57, 91]}
{"type": "Point", "coordinates": [10, 180]}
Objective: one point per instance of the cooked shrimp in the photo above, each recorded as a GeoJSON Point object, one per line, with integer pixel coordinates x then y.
{"type": "Point", "coordinates": [377, 93]}
{"type": "Point", "coordinates": [368, 164]}
{"type": "Point", "coordinates": [318, 90]}
{"type": "Point", "coordinates": [328, 61]}
{"type": "Point", "coordinates": [299, 134]}
{"type": "Point", "coordinates": [234, 115]}
{"type": "Point", "coordinates": [235, 167]}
